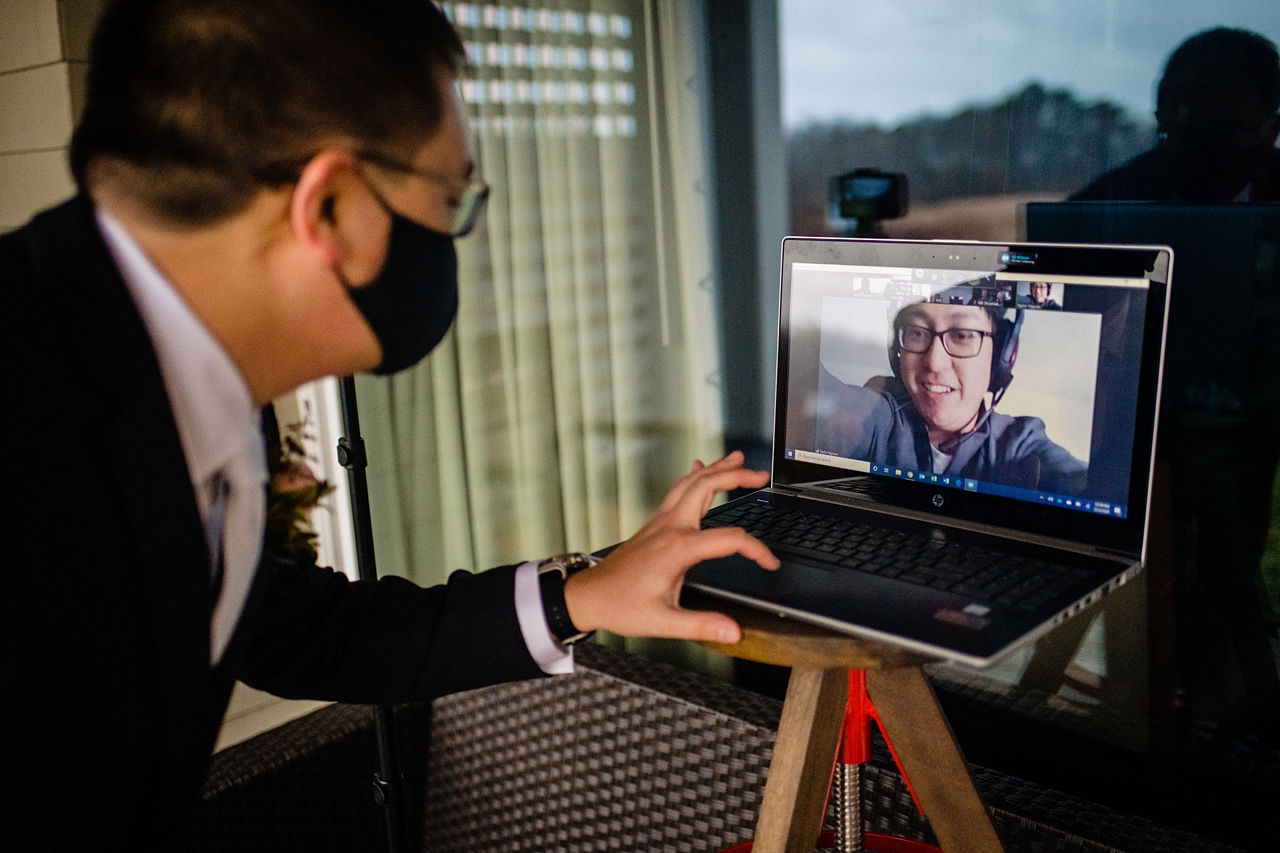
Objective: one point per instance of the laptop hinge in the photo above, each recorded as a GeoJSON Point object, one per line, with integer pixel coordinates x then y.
{"type": "Point", "coordinates": [955, 523]}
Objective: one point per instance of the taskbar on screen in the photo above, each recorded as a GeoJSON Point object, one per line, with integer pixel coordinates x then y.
{"type": "Point", "coordinates": [949, 481]}
{"type": "Point", "coordinates": [1031, 495]}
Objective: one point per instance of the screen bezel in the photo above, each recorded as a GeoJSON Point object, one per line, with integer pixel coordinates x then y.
{"type": "Point", "coordinates": [1152, 263]}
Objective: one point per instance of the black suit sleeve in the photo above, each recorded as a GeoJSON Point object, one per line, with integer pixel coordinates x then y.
{"type": "Point", "coordinates": [314, 634]}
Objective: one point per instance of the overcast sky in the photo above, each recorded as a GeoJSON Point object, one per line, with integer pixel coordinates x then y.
{"type": "Point", "coordinates": [890, 60]}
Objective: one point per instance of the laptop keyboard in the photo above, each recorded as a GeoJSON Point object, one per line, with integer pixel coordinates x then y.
{"type": "Point", "coordinates": [1005, 580]}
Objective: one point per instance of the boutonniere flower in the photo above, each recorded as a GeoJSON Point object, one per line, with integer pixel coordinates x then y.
{"type": "Point", "coordinates": [293, 491]}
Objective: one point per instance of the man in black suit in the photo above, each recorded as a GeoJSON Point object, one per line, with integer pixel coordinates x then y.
{"type": "Point", "coordinates": [268, 195]}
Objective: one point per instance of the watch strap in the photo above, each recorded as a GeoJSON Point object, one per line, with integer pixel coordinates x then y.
{"type": "Point", "coordinates": [552, 574]}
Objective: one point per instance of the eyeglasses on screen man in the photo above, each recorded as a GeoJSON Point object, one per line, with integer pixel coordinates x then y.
{"type": "Point", "coordinates": [958, 343]}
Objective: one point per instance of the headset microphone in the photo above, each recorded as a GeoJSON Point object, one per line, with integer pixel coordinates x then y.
{"type": "Point", "coordinates": [1005, 338]}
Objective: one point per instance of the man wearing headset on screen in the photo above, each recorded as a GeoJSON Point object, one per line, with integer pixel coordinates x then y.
{"type": "Point", "coordinates": [933, 413]}
{"type": "Point", "coordinates": [1039, 295]}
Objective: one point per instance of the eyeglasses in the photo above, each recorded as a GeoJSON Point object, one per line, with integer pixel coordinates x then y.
{"type": "Point", "coordinates": [958, 343]}
{"type": "Point", "coordinates": [472, 193]}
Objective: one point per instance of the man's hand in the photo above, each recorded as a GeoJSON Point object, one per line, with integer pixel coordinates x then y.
{"type": "Point", "coordinates": [635, 591]}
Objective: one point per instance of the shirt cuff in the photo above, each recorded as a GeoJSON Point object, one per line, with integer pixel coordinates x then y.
{"type": "Point", "coordinates": [551, 657]}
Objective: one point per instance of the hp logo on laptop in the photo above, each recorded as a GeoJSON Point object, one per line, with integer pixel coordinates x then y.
{"type": "Point", "coordinates": [938, 500]}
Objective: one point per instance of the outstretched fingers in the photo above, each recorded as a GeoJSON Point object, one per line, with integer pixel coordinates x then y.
{"type": "Point", "coordinates": [699, 471]}
{"type": "Point", "coordinates": [635, 591]}
{"type": "Point", "coordinates": [697, 498]}
{"type": "Point", "coordinates": [723, 541]}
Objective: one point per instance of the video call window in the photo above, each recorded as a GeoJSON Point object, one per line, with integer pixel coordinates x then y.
{"type": "Point", "coordinates": [987, 381]}
{"type": "Point", "coordinates": [1046, 295]}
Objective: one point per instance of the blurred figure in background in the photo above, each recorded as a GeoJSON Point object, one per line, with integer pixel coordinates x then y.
{"type": "Point", "coordinates": [1216, 127]}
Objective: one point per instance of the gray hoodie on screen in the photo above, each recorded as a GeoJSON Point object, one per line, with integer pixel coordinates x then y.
{"type": "Point", "coordinates": [877, 422]}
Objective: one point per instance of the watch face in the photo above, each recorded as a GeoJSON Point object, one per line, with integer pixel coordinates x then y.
{"type": "Point", "coordinates": [568, 564]}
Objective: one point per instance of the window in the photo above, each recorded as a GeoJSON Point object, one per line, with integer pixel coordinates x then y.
{"type": "Point", "coordinates": [579, 380]}
{"type": "Point", "coordinates": [990, 108]}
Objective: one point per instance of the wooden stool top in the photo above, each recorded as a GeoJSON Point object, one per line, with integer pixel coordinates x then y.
{"type": "Point", "coordinates": [768, 638]}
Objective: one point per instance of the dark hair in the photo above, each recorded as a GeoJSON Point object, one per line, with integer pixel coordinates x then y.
{"type": "Point", "coordinates": [1224, 58]}
{"type": "Point", "coordinates": [202, 103]}
{"type": "Point", "coordinates": [994, 314]}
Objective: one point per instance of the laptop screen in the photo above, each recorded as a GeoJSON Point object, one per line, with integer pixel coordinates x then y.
{"type": "Point", "coordinates": [1012, 382]}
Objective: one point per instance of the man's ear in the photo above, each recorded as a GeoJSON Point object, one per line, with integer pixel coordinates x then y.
{"type": "Point", "coordinates": [334, 214]}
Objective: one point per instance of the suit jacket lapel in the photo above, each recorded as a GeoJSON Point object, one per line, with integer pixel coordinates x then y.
{"type": "Point", "coordinates": [141, 441]}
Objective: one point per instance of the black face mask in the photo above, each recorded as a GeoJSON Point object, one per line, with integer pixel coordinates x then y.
{"type": "Point", "coordinates": [413, 300]}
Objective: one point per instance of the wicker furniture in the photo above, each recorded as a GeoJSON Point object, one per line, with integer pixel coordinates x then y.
{"type": "Point", "coordinates": [625, 755]}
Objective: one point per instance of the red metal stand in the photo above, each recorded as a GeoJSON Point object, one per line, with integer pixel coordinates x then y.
{"type": "Point", "coordinates": [855, 751]}
{"type": "Point", "coordinates": [846, 782]}
{"type": "Point", "coordinates": [855, 739]}
{"type": "Point", "coordinates": [827, 703]}
{"type": "Point", "coordinates": [875, 844]}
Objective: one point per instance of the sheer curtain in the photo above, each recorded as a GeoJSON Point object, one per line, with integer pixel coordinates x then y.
{"type": "Point", "coordinates": [581, 377]}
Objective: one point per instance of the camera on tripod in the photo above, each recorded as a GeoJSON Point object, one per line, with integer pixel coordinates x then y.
{"type": "Point", "coordinates": [859, 200]}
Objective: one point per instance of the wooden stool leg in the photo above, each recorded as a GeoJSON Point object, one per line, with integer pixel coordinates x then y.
{"type": "Point", "coordinates": [929, 754]}
{"type": "Point", "coordinates": [795, 794]}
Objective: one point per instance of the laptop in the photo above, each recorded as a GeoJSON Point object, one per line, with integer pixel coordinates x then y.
{"type": "Point", "coordinates": [963, 440]}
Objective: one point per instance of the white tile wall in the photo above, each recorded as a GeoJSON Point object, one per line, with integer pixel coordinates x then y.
{"type": "Point", "coordinates": [77, 82]}
{"type": "Point", "coordinates": [35, 110]}
{"type": "Point", "coordinates": [30, 183]}
{"type": "Point", "coordinates": [29, 34]}
{"type": "Point", "coordinates": [40, 100]}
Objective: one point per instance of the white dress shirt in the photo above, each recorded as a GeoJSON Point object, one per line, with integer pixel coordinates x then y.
{"type": "Point", "coordinates": [218, 424]}
{"type": "Point", "coordinates": [219, 428]}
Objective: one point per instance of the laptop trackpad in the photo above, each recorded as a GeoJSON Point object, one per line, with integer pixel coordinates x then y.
{"type": "Point", "coordinates": [855, 598]}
